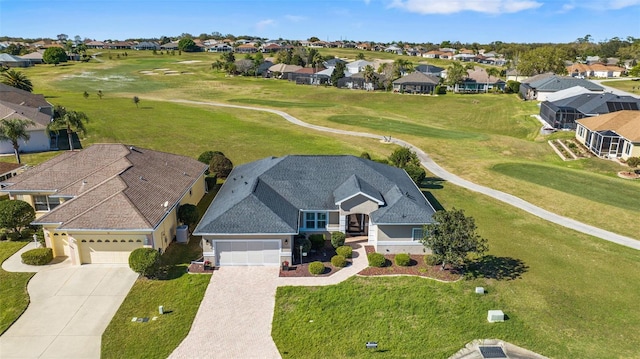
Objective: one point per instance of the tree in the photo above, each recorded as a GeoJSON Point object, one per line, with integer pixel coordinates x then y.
{"type": "Point", "coordinates": [54, 55]}
{"type": "Point", "coordinates": [313, 39]}
{"type": "Point", "coordinates": [187, 45]}
{"type": "Point", "coordinates": [360, 56]}
{"type": "Point", "coordinates": [100, 94]}
{"type": "Point", "coordinates": [403, 156]}
{"type": "Point", "coordinates": [13, 130]}
{"type": "Point", "coordinates": [456, 73]}
{"type": "Point", "coordinates": [416, 172]}
{"type": "Point", "coordinates": [17, 79]}
{"type": "Point", "coordinates": [452, 237]}
{"type": "Point", "coordinates": [188, 214]}
{"type": "Point", "coordinates": [145, 261]}
{"type": "Point", "coordinates": [136, 100]}
{"type": "Point", "coordinates": [16, 215]}
{"type": "Point", "coordinates": [400, 67]}
{"type": "Point", "coordinates": [338, 73]}
{"type": "Point", "coordinates": [635, 71]}
{"type": "Point", "coordinates": [85, 95]}
{"type": "Point", "coordinates": [220, 166]}
{"type": "Point", "coordinates": [71, 121]}
{"type": "Point", "coordinates": [206, 156]}
{"type": "Point", "coordinates": [543, 59]}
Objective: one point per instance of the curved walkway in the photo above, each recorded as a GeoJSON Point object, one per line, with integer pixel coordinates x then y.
{"type": "Point", "coordinates": [434, 168]}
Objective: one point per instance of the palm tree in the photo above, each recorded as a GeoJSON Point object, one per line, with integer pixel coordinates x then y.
{"type": "Point", "coordinates": [369, 75]}
{"type": "Point", "coordinates": [14, 130]}
{"type": "Point", "coordinates": [69, 120]}
{"type": "Point", "coordinates": [492, 72]}
{"type": "Point", "coordinates": [17, 79]}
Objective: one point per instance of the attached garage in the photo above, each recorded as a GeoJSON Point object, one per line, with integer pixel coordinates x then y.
{"type": "Point", "coordinates": [245, 253]}
{"type": "Point", "coordinates": [107, 252]}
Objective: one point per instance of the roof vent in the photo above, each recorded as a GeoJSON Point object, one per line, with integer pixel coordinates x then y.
{"type": "Point", "coordinates": [142, 178]}
{"type": "Point", "coordinates": [84, 181]}
{"type": "Point", "coordinates": [184, 173]}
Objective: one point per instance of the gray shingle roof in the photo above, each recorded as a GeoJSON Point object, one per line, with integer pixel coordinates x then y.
{"type": "Point", "coordinates": [556, 83]}
{"type": "Point", "coordinates": [594, 103]}
{"type": "Point", "coordinates": [417, 78]}
{"type": "Point", "coordinates": [266, 196]}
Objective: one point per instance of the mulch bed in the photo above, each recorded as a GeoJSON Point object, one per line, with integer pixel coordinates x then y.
{"type": "Point", "coordinates": [197, 268]}
{"type": "Point", "coordinates": [629, 174]}
{"type": "Point", "coordinates": [416, 268]}
{"type": "Point", "coordinates": [324, 256]}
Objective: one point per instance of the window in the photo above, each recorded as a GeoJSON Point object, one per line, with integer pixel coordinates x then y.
{"type": "Point", "coordinates": [416, 234]}
{"type": "Point", "coordinates": [315, 220]}
{"type": "Point", "coordinates": [628, 147]}
{"type": "Point", "coordinates": [44, 203]}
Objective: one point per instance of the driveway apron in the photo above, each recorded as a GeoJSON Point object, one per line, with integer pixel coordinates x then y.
{"type": "Point", "coordinates": [69, 309]}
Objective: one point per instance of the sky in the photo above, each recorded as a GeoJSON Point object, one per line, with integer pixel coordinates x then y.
{"type": "Point", "coordinates": [419, 21]}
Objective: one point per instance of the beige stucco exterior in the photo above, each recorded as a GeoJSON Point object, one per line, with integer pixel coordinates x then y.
{"type": "Point", "coordinates": [396, 239]}
{"type": "Point", "coordinates": [358, 204]}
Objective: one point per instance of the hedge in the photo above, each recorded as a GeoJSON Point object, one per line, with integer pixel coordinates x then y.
{"type": "Point", "coordinates": [38, 256]}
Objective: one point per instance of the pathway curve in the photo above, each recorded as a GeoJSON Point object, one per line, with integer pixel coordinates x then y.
{"type": "Point", "coordinates": [434, 168]}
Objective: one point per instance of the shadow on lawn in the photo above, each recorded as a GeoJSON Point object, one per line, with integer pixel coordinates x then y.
{"type": "Point", "coordinates": [432, 183]}
{"type": "Point", "coordinates": [492, 267]}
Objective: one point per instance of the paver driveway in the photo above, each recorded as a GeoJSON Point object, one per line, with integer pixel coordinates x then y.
{"type": "Point", "coordinates": [70, 308]}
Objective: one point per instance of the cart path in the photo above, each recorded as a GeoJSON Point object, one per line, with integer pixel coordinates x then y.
{"type": "Point", "coordinates": [434, 168]}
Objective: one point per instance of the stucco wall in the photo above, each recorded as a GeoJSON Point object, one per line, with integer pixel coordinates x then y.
{"type": "Point", "coordinates": [358, 204]}
{"type": "Point", "coordinates": [38, 142]}
{"type": "Point", "coordinates": [396, 233]}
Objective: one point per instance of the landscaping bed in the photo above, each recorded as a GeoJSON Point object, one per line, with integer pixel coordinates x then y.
{"type": "Point", "coordinates": [417, 267]}
{"type": "Point", "coordinates": [324, 255]}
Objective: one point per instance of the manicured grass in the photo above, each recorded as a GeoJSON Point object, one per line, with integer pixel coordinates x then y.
{"type": "Point", "coordinates": [625, 85]}
{"type": "Point", "coordinates": [578, 183]}
{"type": "Point", "coordinates": [574, 296]}
{"type": "Point", "coordinates": [180, 294]}
{"type": "Point", "coordinates": [14, 298]}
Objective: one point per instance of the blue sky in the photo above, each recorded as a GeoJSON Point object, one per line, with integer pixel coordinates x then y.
{"type": "Point", "coordinates": [434, 21]}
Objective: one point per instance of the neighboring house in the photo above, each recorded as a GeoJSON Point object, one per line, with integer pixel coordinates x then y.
{"type": "Point", "coordinates": [246, 49]}
{"type": "Point", "coordinates": [222, 47]}
{"type": "Point", "coordinates": [595, 70]}
{"type": "Point", "coordinates": [539, 86]}
{"type": "Point", "coordinates": [333, 62]}
{"type": "Point", "coordinates": [118, 45]}
{"type": "Point", "coordinates": [169, 46]}
{"type": "Point", "coordinates": [563, 113]}
{"type": "Point", "coordinates": [430, 69]}
{"type": "Point", "coordinates": [267, 48]}
{"type": "Point", "coordinates": [99, 204]}
{"type": "Point", "coordinates": [264, 204]}
{"type": "Point", "coordinates": [34, 57]}
{"type": "Point", "coordinates": [146, 45]}
{"type": "Point", "coordinates": [284, 70]}
{"type": "Point", "coordinates": [358, 82]}
{"type": "Point", "coordinates": [513, 75]}
{"type": "Point", "coordinates": [8, 170]}
{"type": "Point", "coordinates": [13, 61]}
{"type": "Point", "coordinates": [23, 105]}
{"type": "Point", "coordinates": [566, 93]}
{"type": "Point", "coordinates": [95, 45]}
{"type": "Point", "coordinates": [308, 76]}
{"type": "Point", "coordinates": [613, 135]}
{"type": "Point", "coordinates": [416, 83]}
{"type": "Point", "coordinates": [478, 81]}
{"type": "Point", "coordinates": [358, 66]}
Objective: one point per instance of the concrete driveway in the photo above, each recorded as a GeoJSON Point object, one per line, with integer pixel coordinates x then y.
{"type": "Point", "coordinates": [70, 308]}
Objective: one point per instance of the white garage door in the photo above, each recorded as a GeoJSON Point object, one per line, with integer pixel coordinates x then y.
{"type": "Point", "coordinates": [247, 253]}
{"type": "Point", "coordinates": [107, 253]}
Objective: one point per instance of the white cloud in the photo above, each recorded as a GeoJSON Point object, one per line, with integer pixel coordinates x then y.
{"type": "Point", "coordinates": [620, 4]}
{"type": "Point", "coordinates": [263, 24]}
{"type": "Point", "coordinates": [601, 5]}
{"type": "Point", "coordinates": [295, 18]}
{"type": "Point", "coordinates": [454, 6]}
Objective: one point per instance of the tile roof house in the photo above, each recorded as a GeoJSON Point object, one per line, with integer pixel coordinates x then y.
{"type": "Point", "coordinates": [538, 87]}
{"type": "Point", "coordinates": [99, 204]}
{"type": "Point", "coordinates": [416, 83]}
{"type": "Point", "coordinates": [478, 81]}
{"type": "Point", "coordinates": [563, 113]}
{"type": "Point", "coordinates": [8, 170]}
{"type": "Point", "coordinates": [23, 105]}
{"type": "Point", "coordinates": [615, 135]}
{"type": "Point", "coordinates": [264, 204]}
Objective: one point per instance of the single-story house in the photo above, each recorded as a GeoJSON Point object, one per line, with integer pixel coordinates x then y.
{"type": "Point", "coordinates": [221, 47]}
{"type": "Point", "coordinates": [246, 49]}
{"type": "Point", "coordinates": [99, 204]}
{"type": "Point", "coordinates": [264, 204]}
{"type": "Point", "coordinates": [539, 86]}
{"type": "Point", "coordinates": [615, 135]}
{"type": "Point", "coordinates": [24, 105]}
{"type": "Point", "coordinates": [358, 82]}
{"type": "Point", "coordinates": [95, 45]}
{"type": "Point", "coordinates": [416, 83]}
{"type": "Point", "coordinates": [284, 70]}
{"type": "Point", "coordinates": [563, 113]}
{"type": "Point", "coordinates": [477, 81]}
{"type": "Point", "coordinates": [173, 45]}
{"type": "Point", "coordinates": [146, 45]}
{"type": "Point", "coordinates": [9, 60]}
{"type": "Point", "coordinates": [309, 76]}
{"type": "Point", "coordinates": [8, 170]}
{"type": "Point", "coordinates": [358, 66]}
{"type": "Point", "coordinates": [118, 45]}
{"type": "Point", "coordinates": [595, 70]}
{"type": "Point", "coordinates": [429, 69]}
{"type": "Point", "coordinates": [34, 57]}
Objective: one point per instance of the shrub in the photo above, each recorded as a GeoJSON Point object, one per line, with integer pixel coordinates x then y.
{"type": "Point", "coordinates": [144, 261]}
{"type": "Point", "coordinates": [220, 166]}
{"type": "Point", "coordinates": [316, 268]}
{"type": "Point", "coordinates": [402, 259]}
{"type": "Point", "coordinates": [206, 156]}
{"type": "Point", "coordinates": [633, 161]}
{"type": "Point", "coordinates": [338, 261]}
{"type": "Point", "coordinates": [317, 241]}
{"type": "Point", "coordinates": [345, 251]}
{"type": "Point", "coordinates": [301, 240]}
{"type": "Point", "coordinates": [337, 239]}
{"type": "Point", "coordinates": [27, 233]}
{"type": "Point", "coordinates": [38, 256]}
{"type": "Point", "coordinates": [188, 214]}
{"type": "Point", "coordinates": [431, 260]}
{"type": "Point", "coordinates": [441, 90]}
{"type": "Point", "coordinates": [14, 236]}
{"type": "Point", "coordinates": [512, 87]}
{"type": "Point", "coordinates": [365, 155]}
{"type": "Point", "coordinates": [376, 260]}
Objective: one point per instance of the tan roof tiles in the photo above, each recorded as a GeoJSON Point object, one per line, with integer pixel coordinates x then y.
{"type": "Point", "coordinates": [624, 123]}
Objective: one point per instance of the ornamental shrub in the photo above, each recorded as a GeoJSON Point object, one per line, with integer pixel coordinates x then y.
{"type": "Point", "coordinates": [337, 239]}
{"type": "Point", "coordinates": [376, 260]}
{"type": "Point", "coordinates": [188, 214]}
{"type": "Point", "coordinates": [38, 256]}
{"type": "Point", "coordinates": [317, 241]}
{"type": "Point", "coordinates": [431, 260]}
{"type": "Point", "coordinates": [145, 261]}
{"type": "Point", "coordinates": [633, 161]}
{"type": "Point", "coordinates": [301, 240]}
{"type": "Point", "coordinates": [402, 259]}
{"type": "Point", "coordinates": [338, 261]}
{"type": "Point", "coordinates": [316, 268]}
{"type": "Point", "coordinates": [27, 233]}
{"type": "Point", "coordinates": [345, 251]}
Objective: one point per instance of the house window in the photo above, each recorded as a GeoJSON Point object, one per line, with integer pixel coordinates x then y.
{"type": "Point", "coordinates": [315, 220]}
{"type": "Point", "coordinates": [44, 203]}
{"type": "Point", "coordinates": [416, 234]}
{"type": "Point", "coordinates": [628, 148]}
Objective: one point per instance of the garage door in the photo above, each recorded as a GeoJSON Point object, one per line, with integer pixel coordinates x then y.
{"type": "Point", "coordinates": [106, 252]}
{"type": "Point", "coordinates": [247, 253]}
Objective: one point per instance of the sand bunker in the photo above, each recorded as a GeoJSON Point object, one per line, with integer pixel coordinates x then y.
{"type": "Point", "coordinates": [189, 62]}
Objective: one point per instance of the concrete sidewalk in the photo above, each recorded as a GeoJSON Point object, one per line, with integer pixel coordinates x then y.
{"type": "Point", "coordinates": [69, 309]}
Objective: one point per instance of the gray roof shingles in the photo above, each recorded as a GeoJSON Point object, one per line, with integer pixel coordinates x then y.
{"type": "Point", "coordinates": [266, 196]}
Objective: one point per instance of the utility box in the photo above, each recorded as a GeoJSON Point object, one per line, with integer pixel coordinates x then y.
{"type": "Point", "coordinates": [182, 234]}
{"type": "Point", "coordinates": [479, 290]}
{"type": "Point", "coordinates": [495, 316]}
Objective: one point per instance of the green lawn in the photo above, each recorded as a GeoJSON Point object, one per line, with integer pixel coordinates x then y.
{"type": "Point", "coordinates": [625, 85]}
{"type": "Point", "coordinates": [574, 297]}
{"type": "Point", "coordinates": [14, 298]}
